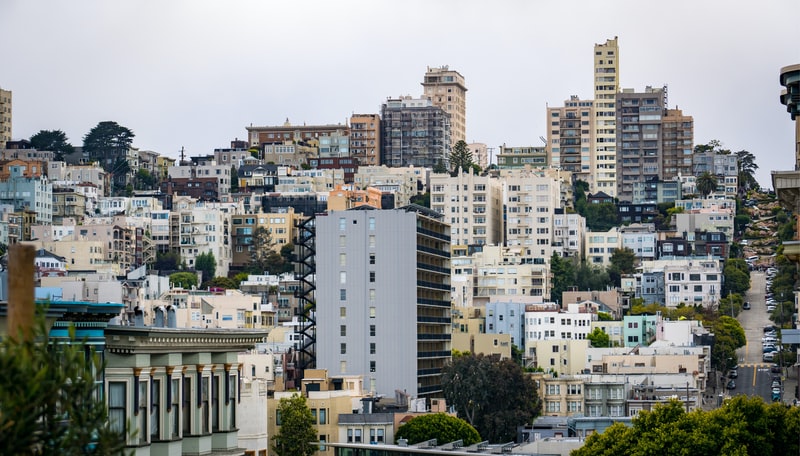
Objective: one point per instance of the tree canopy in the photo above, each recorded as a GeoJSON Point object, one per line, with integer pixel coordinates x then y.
{"type": "Point", "coordinates": [747, 172]}
{"type": "Point", "coordinates": [440, 426]}
{"type": "Point", "coordinates": [107, 141]}
{"type": "Point", "coordinates": [207, 264]}
{"type": "Point", "coordinates": [623, 261]}
{"type": "Point", "coordinates": [49, 399]}
{"type": "Point", "coordinates": [495, 396]}
{"type": "Point", "coordinates": [599, 338]}
{"type": "Point", "coordinates": [296, 432]}
{"type": "Point", "coordinates": [53, 140]}
{"type": "Point", "coordinates": [183, 279]}
{"type": "Point", "coordinates": [743, 426]}
{"type": "Point", "coordinates": [461, 159]}
{"type": "Point", "coordinates": [706, 183]}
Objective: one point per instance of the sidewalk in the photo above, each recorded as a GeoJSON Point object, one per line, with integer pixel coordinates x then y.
{"type": "Point", "coordinates": [790, 386]}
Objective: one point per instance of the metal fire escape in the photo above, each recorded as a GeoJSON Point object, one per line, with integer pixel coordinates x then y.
{"type": "Point", "coordinates": [305, 272]}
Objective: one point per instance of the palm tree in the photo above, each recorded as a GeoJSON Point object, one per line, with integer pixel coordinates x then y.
{"type": "Point", "coordinates": [706, 183]}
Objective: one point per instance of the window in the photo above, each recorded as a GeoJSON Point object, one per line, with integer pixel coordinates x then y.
{"type": "Point", "coordinates": [371, 258]}
{"type": "Point", "coordinates": [372, 330]}
{"type": "Point", "coordinates": [372, 366]}
{"type": "Point", "coordinates": [371, 295]}
{"type": "Point", "coordinates": [372, 240]}
{"type": "Point", "coordinates": [372, 276]}
{"type": "Point", "coordinates": [342, 312]}
{"type": "Point", "coordinates": [342, 224]}
{"type": "Point", "coordinates": [117, 413]}
{"type": "Point", "coordinates": [343, 330]}
{"type": "Point", "coordinates": [187, 406]}
{"type": "Point", "coordinates": [205, 405]}
{"type": "Point", "coordinates": [343, 348]}
{"type": "Point", "coordinates": [372, 348]}
{"type": "Point", "coordinates": [342, 295]}
{"type": "Point", "coordinates": [141, 412]}
{"type": "Point", "coordinates": [155, 406]}
{"type": "Point", "coordinates": [372, 312]}
{"type": "Point", "coordinates": [323, 416]}
{"type": "Point", "coordinates": [175, 406]}
{"type": "Point", "coordinates": [215, 403]}
{"type": "Point", "coordinates": [342, 277]}
{"type": "Point", "coordinates": [342, 259]}
{"type": "Point", "coordinates": [278, 420]}
{"type": "Point", "coordinates": [372, 223]}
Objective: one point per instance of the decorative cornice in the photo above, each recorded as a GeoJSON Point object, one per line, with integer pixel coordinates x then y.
{"type": "Point", "coordinates": [134, 340]}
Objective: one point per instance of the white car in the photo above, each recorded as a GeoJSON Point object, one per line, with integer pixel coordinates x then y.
{"type": "Point", "coordinates": [770, 307]}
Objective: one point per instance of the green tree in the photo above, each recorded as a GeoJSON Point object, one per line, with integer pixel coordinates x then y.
{"type": "Point", "coordinates": [747, 172]}
{"type": "Point", "coordinates": [262, 251]}
{"type": "Point", "coordinates": [422, 199]}
{"type": "Point", "coordinates": [495, 396]}
{"type": "Point", "coordinates": [706, 183]}
{"type": "Point", "coordinates": [439, 167]}
{"type": "Point", "coordinates": [440, 426]}
{"type": "Point", "coordinates": [563, 272]}
{"type": "Point", "coordinates": [735, 277]}
{"type": "Point", "coordinates": [53, 140]}
{"type": "Point", "coordinates": [601, 217]}
{"type": "Point", "coordinates": [167, 261]}
{"type": "Point", "coordinates": [728, 337]}
{"type": "Point", "coordinates": [296, 432]}
{"type": "Point", "coordinates": [144, 180]}
{"type": "Point", "coordinates": [49, 401]}
{"type": "Point", "coordinates": [623, 261]}
{"type": "Point", "coordinates": [599, 338]}
{"type": "Point", "coordinates": [234, 180]}
{"type": "Point", "coordinates": [184, 280]}
{"type": "Point", "coordinates": [579, 189]}
{"type": "Point", "coordinates": [744, 426]}
{"type": "Point", "coordinates": [590, 277]}
{"type": "Point", "coordinates": [221, 282]}
{"type": "Point", "coordinates": [460, 158]}
{"type": "Point", "coordinates": [207, 264]}
{"type": "Point", "coordinates": [107, 142]}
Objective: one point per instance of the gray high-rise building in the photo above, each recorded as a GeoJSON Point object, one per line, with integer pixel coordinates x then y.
{"type": "Point", "coordinates": [383, 297]}
{"type": "Point", "coordinates": [414, 132]}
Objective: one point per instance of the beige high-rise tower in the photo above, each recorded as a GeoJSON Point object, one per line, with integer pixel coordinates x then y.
{"type": "Point", "coordinates": [446, 89]}
{"type": "Point", "coordinates": [606, 86]}
{"type": "Point", "coordinates": [5, 117]}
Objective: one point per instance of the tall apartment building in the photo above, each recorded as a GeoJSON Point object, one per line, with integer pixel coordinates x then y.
{"type": "Point", "coordinates": [446, 89]}
{"type": "Point", "coordinates": [5, 117]}
{"type": "Point", "coordinates": [473, 205]}
{"type": "Point", "coordinates": [531, 200]}
{"type": "Point", "coordinates": [606, 86]}
{"type": "Point", "coordinates": [414, 132]}
{"type": "Point", "coordinates": [639, 152]}
{"type": "Point", "coordinates": [383, 297]}
{"type": "Point", "coordinates": [365, 139]}
{"type": "Point", "coordinates": [571, 139]}
{"type": "Point", "coordinates": [677, 144]}
{"type": "Point", "coordinates": [481, 154]}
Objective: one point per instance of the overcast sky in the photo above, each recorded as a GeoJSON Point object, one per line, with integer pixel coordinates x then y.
{"type": "Point", "coordinates": [194, 73]}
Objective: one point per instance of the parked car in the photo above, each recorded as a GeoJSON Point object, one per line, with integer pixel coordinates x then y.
{"type": "Point", "coordinates": [776, 384]}
{"type": "Point", "coordinates": [769, 328]}
{"type": "Point", "coordinates": [733, 374]}
{"type": "Point", "coordinates": [768, 339]}
{"type": "Point", "coordinates": [776, 396]}
{"type": "Point", "coordinates": [771, 307]}
{"type": "Point", "coordinates": [768, 356]}
{"type": "Point", "coordinates": [775, 369]}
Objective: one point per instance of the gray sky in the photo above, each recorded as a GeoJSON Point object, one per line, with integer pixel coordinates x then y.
{"type": "Point", "coordinates": [195, 73]}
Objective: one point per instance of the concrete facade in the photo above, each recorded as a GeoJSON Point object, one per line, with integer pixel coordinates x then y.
{"type": "Point", "coordinates": [383, 297]}
{"type": "Point", "coordinates": [472, 204]}
{"type": "Point", "coordinates": [446, 89]}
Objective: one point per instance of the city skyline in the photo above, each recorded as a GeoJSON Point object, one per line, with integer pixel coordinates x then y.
{"type": "Point", "coordinates": [195, 74]}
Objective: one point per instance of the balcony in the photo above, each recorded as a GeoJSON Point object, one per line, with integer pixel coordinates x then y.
{"type": "Point", "coordinates": [787, 187]}
{"type": "Point", "coordinates": [792, 250]}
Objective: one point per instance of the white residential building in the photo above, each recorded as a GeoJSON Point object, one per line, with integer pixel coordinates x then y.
{"type": "Point", "coordinates": [473, 206]}
{"type": "Point", "coordinates": [689, 280]}
{"type": "Point", "coordinates": [600, 245]}
{"type": "Point", "coordinates": [641, 238]}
